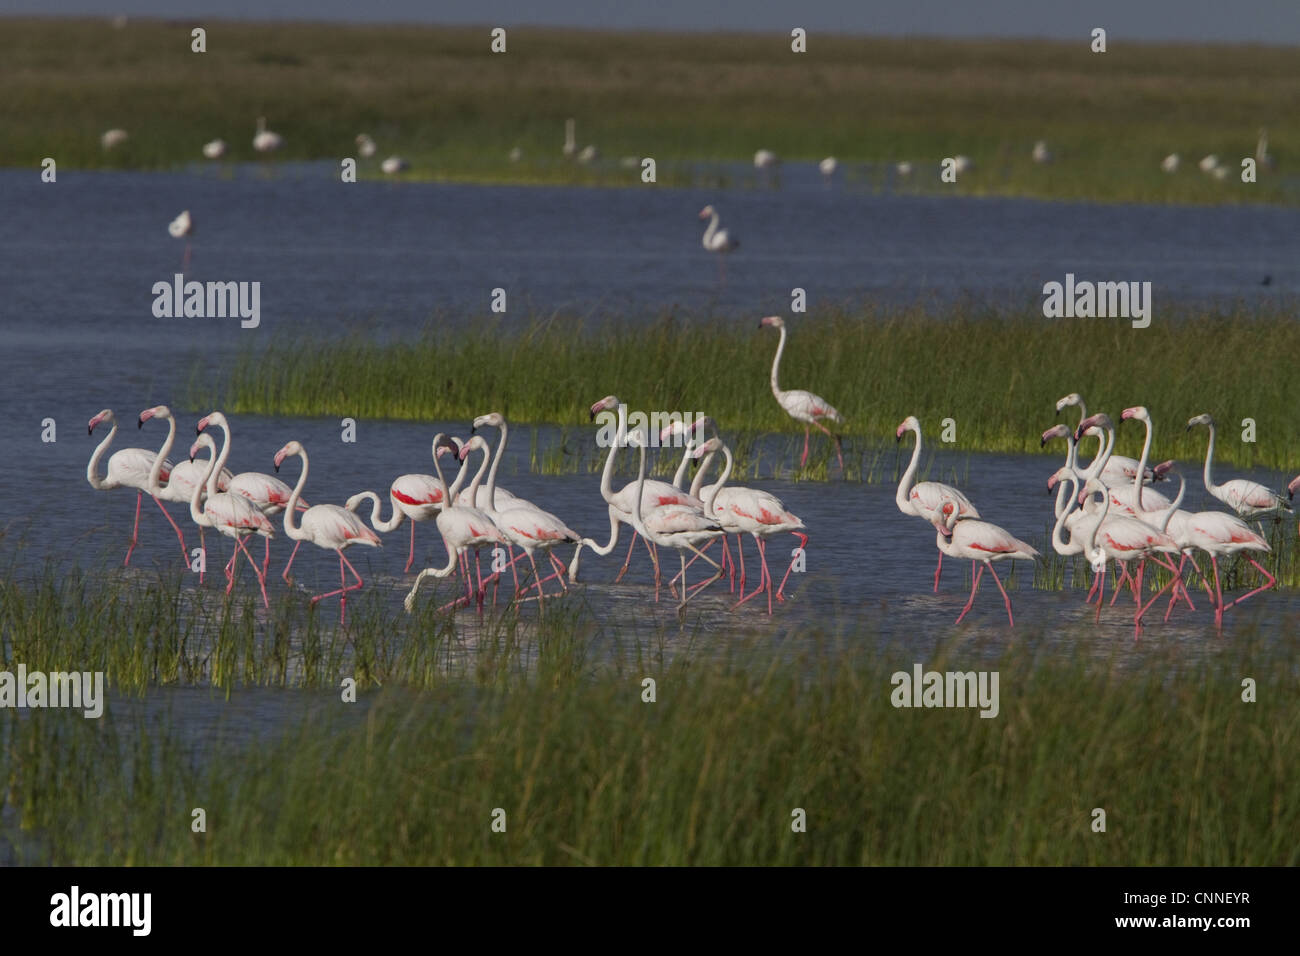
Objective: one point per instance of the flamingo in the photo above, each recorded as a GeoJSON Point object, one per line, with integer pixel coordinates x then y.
{"type": "Point", "coordinates": [741, 510]}
{"type": "Point", "coordinates": [903, 169]}
{"type": "Point", "coordinates": [266, 142]}
{"type": "Point", "coordinates": [394, 165]}
{"type": "Point", "coordinates": [767, 163]}
{"type": "Point", "coordinates": [269, 494]}
{"type": "Point", "coordinates": [827, 168]}
{"type": "Point", "coordinates": [588, 154]}
{"type": "Point", "coordinates": [418, 497]}
{"type": "Point", "coordinates": [113, 138]}
{"type": "Point", "coordinates": [214, 149]}
{"type": "Point", "coordinates": [326, 526]}
{"type": "Point", "coordinates": [1263, 158]}
{"type": "Point", "coordinates": [182, 478]}
{"type": "Point", "coordinates": [962, 164]}
{"type": "Point", "coordinates": [982, 543]}
{"type": "Point", "coordinates": [127, 468]}
{"type": "Point", "coordinates": [674, 526]}
{"type": "Point", "coordinates": [621, 503]}
{"type": "Point", "coordinates": [800, 405]}
{"type": "Point", "coordinates": [1123, 496]}
{"type": "Point", "coordinates": [1208, 164]}
{"type": "Point", "coordinates": [717, 241]}
{"type": "Point", "coordinates": [462, 527]}
{"type": "Point", "coordinates": [1041, 153]}
{"type": "Point", "coordinates": [1249, 499]}
{"type": "Point", "coordinates": [365, 146]}
{"type": "Point", "coordinates": [1170, 163]}
{"type": "Point", "coordinates": [1115, 469]}
{"type": "Point", "coordinates": [524, 524]}
{"type": "Point", "coordinates": [182, 227]}
{"type": "Point", "coordinates": [232, 515]}
{"type": "Point", "coordinates": [926, 499]}
{"type": "Point", "coordinates": [570, 140]}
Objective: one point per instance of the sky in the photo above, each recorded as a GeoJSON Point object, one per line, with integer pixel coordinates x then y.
{"type": "Point", "coordinates": [1233, 21]}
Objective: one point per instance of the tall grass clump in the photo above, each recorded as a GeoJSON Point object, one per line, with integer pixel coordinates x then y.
{"type": "Point", "coordinates": [711, 772]}
{"type": "Point", "coordinates": [997, 374]}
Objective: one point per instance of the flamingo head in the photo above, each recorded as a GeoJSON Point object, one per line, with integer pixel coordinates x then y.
{"type": "Point", "coordinates": [707, 212]}
{"type": "Point", "coordinates": [212, 418]}
{"type": "Point", "coordinates": [606, 404]}
{"type": "Point", "coordinates": [676, 429]}
{"type": "Point", "coordinates": [203, 441]}
{"type": "Point", "coordinates": [1090, 488]}
{"type": "Point", "coordinates": [1161, 471]}
{"type": "Point", "coordinates": [910, 423]}
{"type": "Point", "coordinates": [946, 518]}
{"type": "Point", "coordinates": [772, 321]}
{"type": "Point", "coordinates": [441, 448]}
{"type": "Point", "coordinates": [1138, 412]}
{"type": "Point", "coordinates": [1199, 420]}
{"type": "Point", "coordinates": [712, 445]}
{"type": "Point", "coordinates": [1074, 398]}
{"type": "Point", "coordinates": [105, 416]}
{"type": "Point", "coordinates": [476, 443]}
{"type": "Point", "coordinates": [1056, 431]}
{"type": "Point", "coordinates": [1100, 420]}
{"type": "Point", "coordinates": [492, 419]}
{"type": "Point", "coordinates": [158, 411]}
{"type": "Point", "coordinates": [293, 448]}
{"type": "Point", "coordinates": [1061, 474]}
{"type": "Point", "coordinates": [1293, 486]}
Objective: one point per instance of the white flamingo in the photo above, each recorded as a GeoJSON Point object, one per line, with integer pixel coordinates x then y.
{"type": "Point", "coordinates": [182, 227]}
{"type": "Point", "coordinates": [718, 241]}
{"type": "Point", "coordinates": [1249, 499]}
{"type": "Point", "coordinates": [925, 499]}
{"type": "Point", "coordinates": [1041, 153]}
{"type": "Point", "coordinates": [214, 149]}
{"type": "Point", "coordinates": [265, 141]}
{"type": "Point", "coordinates": [981, 543]}
{"type": "Point", "coordinates": [127, 468]}
{"type": "Point", "coordinates": [326, 526]}
{"type": "Point", "coordinates": [827, 167]}
{"type": "Point", "coordinates": [232, 515]}
{"type": "Point", "coordinates": [365, 146]}
{"type": "Point", "coordinates": [800, 405]}
{"type": "Point", "coordinates": [113, 138]}
{"type": "Point", "coordinates": [1170, 163]}
{"type": "Point", "coordinates": [394, 165]}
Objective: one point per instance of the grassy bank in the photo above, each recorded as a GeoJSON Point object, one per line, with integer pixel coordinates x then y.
{"type": "Point", "coordinates": [439, 98]}
{"type": "Point", "coordinates": [710, 773]}
{"type": "Point", "coordinates": [998, 376]}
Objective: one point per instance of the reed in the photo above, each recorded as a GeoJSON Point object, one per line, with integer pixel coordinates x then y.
{"type": "Point", "coordinates": [996, 374]}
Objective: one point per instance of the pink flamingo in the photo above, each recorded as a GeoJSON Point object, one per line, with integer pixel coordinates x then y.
{"type": "Point", "coordinates": [267, 492]}
{"type": "Point", "coordinates": [982, 543]}
{"type": "Point", "coordinates": [415, 496]}
{"type": "Point", "coordinates": [232, 515]}
{"type": "Point", "coordinates": [741, 510]}
{"type": "Point", "coordinates": [1249, 499]}
{"type": "Point", "coordinates": [674, 526]}
{"type": "Point", "coordinates": [926, 499]}
{"type": "Point", "coordinates": [718, 241]}
{"type": "Point", "coordinates": [127, 468]}
{"type": "Point", "coordinates": [462, 527]}
{"type": "Point", "coordinates": [182, 479]}
{"type": "Point", "coordinates": [800, 405]}
{"type": "Point", "coordinates": [326, 526]}
{"type": "Point", "coordinates": [621, 503]}
{"type": "Point", "coordinates": [524, 525]}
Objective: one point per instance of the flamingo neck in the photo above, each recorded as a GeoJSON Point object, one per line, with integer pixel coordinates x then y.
{"type": "Point", "coordinates": [726, 473]}
{"type": "Point", "coordinates": [1141, 468]}
{"type": "Point", "coordinates": [607, 476]}
{"type": "Point", "coordinates": [478, 479]}
{"type": "Point", "coordinates": [710, 231]}
{"type": "Point", "coordinates": [447, 499]}
{"type": "Point", "coordinates": [92, 468]}
{"type": "Point", "coordinates": [196, 514]}
{"type": "Point", "coordinates": [1209, 457]}
{"type": "Point", "coordinates": [221, 459]}
{"type": "Point", "coordinates": [776, 365]}
{"type": "Point", "coordinates": [640, 490]}
{"type": "Point", "coordinates": [155, 473]}
{"type": "Point", "coordinates": [905, 483]}
{"type": "Point", "coordinates": [1099, 462]}
{"type": "Point", "coordinates": [1062, 513]}
{"type": "Point", "coordinates": [496, 463]}
{"type": "Point", "coordinates": [698, 484]}
{"type": "Point", "coordinates": [1062, 505]}
{"type": "Point", "coordinates": [291, 509]}
{"type": "Point", "coordinates": [680, 474]}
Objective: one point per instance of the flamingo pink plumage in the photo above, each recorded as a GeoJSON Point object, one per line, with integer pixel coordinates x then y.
{"type": "Point", "coordinates": [233, 515]}
{"type": "Point", "coordinates": [982, 543]}
{"type": "Point", "coordinates": [802, 406]}
{"type": "Point", "coordinates": [926, 499]}
{"type": "Point", "coordinates": [1249, 499]}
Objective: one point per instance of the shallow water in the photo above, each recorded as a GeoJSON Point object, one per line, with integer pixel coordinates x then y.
{"type": "Point", "coordinates": [78, 260]}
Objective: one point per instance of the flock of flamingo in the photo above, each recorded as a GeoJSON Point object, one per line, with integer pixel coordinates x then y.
{"type": "Point", "coordinates": [1108, 509]}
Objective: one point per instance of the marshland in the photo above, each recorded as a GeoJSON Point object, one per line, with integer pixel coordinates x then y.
{"type": "Point", "coordinates": [377, 309]}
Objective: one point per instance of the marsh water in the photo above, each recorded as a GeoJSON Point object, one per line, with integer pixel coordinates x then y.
{"type": "Point", "coordinates": [78, 260]}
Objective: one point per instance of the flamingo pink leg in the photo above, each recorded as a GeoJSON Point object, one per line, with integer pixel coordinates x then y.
{"type": "Point", "coordinates": [185, 555]}
{"type": "Point", "coordinates": [135, 529]}
{"type": "Point", "coordinates": [803, 543]}
{"type": "Point", "coordinates": [804, 460]}
{"type": "Point", "coordinates": [938, 570]}
{"type": "Point", "coordinates": [410, 557]}
{"type": "Point", "coordinates": [975, 584]}
{"type": "Point", "coordinates": [628, 560]}
{"type": "Point", "coordinates": [285, 573]}
{"type": "Point", "coordinates": [832, 438]}
{"type": "Point", "coordinates": [343, 589]}
{"type": "Point", "coordinates": [1005, 597]}
{"type": "Point", "coordinates": [1263, 587]}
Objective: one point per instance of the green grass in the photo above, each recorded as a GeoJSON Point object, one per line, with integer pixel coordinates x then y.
{"type": "Point", "coordinates": [710, 773]}
{"type": "Point", "coordinates": [997, 375]}
{"type": "Point", "coordinates": [438, 97]}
